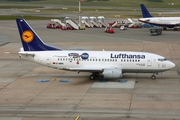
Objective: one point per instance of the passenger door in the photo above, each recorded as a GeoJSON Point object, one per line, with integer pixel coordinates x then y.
{"type": "Point", "coordinates": [48, 60]}
{"type": "Point", "coordinates": [149, 61]}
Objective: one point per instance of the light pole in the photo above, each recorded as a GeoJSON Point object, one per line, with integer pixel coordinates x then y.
{"type": "Point", "coordinates": [80, 12]}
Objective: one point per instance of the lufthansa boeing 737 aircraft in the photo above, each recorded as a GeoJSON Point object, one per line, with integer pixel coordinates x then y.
{"type": "Point", "coordinates": [110, 64]}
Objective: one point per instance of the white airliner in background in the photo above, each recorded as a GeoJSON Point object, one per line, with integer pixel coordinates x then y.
{"type": "Point", "coordinates": [165, 22]}
{"type": "Point", "coordinates": [110, 64]}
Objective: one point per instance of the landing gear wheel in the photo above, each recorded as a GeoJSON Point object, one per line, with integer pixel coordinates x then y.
{"type": "Point", "coordinates": [92, 77]}
{"type": "Point", "coordinates": [164, 28]}
{"type": "Point", "coordinates": [153, 77]}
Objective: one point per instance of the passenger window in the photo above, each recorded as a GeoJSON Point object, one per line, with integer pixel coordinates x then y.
{"type": "Point", "coordinates": [159, 59]}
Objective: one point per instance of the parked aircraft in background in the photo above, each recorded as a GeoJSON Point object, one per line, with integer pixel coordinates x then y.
{"type": "Point", "coordinates": [110, 64]}
{"type": "Point", "coordinates": [165, 22]}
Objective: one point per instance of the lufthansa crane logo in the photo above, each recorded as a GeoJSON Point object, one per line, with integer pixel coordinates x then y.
{"type": "Point", "coordinates": [27, 36]}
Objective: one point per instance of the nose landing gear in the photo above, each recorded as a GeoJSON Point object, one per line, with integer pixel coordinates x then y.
{"type": "Point", "coordinates": [153, 77]}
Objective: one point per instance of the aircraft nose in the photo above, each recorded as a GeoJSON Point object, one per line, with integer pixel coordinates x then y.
{"type": "Point", "coordinates": [171, 65]}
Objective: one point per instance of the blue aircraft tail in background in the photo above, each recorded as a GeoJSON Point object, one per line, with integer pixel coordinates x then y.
{"type": "Point", "coordinates": [145, 12]}
{"type": "Point", "coordinates": [30, 40]}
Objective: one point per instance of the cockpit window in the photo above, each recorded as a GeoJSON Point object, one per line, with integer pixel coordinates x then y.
{"type": "Point", "coordinates": [162, 59]}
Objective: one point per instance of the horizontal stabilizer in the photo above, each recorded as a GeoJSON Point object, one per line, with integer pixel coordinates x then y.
{"type": "Point", "coordinates": [27, 53]}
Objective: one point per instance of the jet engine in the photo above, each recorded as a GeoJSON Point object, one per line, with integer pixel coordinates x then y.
{"type": "Point", "coordinates": [112, 73]}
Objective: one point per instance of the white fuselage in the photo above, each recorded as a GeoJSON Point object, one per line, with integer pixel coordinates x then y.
{"type": "Point", "coordinates": [128, 62]}
{"type": "Point", "coordinates": [162, 21]}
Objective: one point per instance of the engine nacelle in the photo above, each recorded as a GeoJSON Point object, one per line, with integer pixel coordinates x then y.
{"type": "Point", "coordinates": [112, 73]}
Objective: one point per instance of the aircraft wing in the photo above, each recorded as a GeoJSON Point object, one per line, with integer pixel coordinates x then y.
{"type": "Point", "coordinates": [85, 69]}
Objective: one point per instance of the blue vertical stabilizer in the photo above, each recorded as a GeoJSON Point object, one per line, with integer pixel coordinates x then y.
{"type": "Point", "coordinates": [30, 40]}
{"type": "Point", "coordinates": [145, 12]}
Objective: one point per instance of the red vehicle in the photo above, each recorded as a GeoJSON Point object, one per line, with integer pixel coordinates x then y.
{"type": "Point", "coordinates": [109, 30]}
{"type": "Point", "coordinates": [53, 26]}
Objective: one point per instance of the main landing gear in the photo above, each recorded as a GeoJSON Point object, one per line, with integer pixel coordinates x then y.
{"type": "Point", "coordinates": [93, 76]}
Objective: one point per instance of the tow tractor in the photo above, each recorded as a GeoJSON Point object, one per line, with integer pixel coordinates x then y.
{"type": "Point", "coordinates": [109, 29]}
{"type": "Point", "coordinates": [156, 30]}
